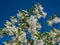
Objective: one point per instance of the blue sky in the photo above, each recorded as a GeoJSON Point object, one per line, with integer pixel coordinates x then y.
{"type": "Point", "coordinates": [10, 8]}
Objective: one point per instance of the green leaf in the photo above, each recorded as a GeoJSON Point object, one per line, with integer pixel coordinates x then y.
{"type": "Point", "coordinates": [31, 9]}
{"type": "Point", "coordinates": [52, 29]}
{"type": "Point", "coordinates": [32, 42]}
{"type": "Point", "coordinates": [18, 43]}
{"type": "Point", "coordinates": [38, 35]}
{"type": "Point", "coordinates": [18, 32]}
{"type": "Point", "coordinates": [4, 32]}
{"type": "Point", "coordinates": [47, 33]}
{"type": "Point", "coordinates": [47, 42]}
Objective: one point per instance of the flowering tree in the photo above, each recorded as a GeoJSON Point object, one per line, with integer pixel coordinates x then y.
{"type": "Point", "coordinates": [28, 21]}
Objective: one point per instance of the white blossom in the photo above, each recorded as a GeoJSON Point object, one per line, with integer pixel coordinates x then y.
{"type": "Point", "coordinates": [50, 22]}
{"type": "Point", "coordinates": [22, 37]}
{"type": "Point", "coordinates": [40, 42]}
{"type": "Point", "coordinates": [19, 15]}
{"type": "Point", "coordinates": [35, 11]}
{"type": "Point", "coordinates": [56, 20]}
{"type": "Point", "coordinates": [32, 21]}
{"type": "Point", "coordinates": [14, 44]}
{"type": "Point", "coordinates": [52, 34]}
{"type": "Point", "coordinates": [38, 16]}
{"type": "Point", "coordinates": [13, 19]}
{"type": "Point", "coordinates": [39, 7]}
{"type": "Point", "coordinates": [44, 14]}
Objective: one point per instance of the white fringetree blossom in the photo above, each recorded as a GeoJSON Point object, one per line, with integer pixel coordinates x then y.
{"type": "Point", "coordinates": [28, 21]}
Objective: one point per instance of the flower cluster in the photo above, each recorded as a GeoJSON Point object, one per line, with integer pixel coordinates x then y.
{"type": "Point", "coordinates": [54, 19]}
{"type": "Point", "coordinates": [29, 22]}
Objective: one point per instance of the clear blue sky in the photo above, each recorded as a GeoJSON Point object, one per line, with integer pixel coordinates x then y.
{"type": "Point", "coordinates": [9, 8]}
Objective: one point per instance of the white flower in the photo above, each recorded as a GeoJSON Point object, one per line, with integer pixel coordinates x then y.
{"type": "Point", "coordinates": [34, 42]}
{"type": "Point", "coordinates": [56, 20]}
{"type": "Point", "coordinates": [53, 42]}
{"type": "Point", "coordinates": [39, 7]}
{"type": "Point", "coordinates": [25, 11]}
{"type": "Point", "coordinates": [22, 37]}
{"type": "Point", "coordinates": [34, 37]}
{"type": "Point", "coordinates": [35, 11]}
{"type": "Point", "coordinates": [8, 23]}
{"type": "Point", "coordinates": [19, 15]}
{"type": "Point", "coordinates": [32, 21]}
{"type": "Point", "coordinates": [38, 26]}
{"type": "Point", "coordinates": [38, 16]}
{"type": "Point", "coordinates": [40, 42]}
{"type": "Point", "coordinates": [13, 43]}
{"type": "Point", "coordinates": [52, 34]}
{"type": "Point", "coordinates": [50, 22]}
{"type": "Point", "coordinates": [44, 14]}
{"type": "Point", "coordinates": [11, 29]}
{"type": "Point", "coordinates": [13, 19]}
{"type": "Point", "coordinates": [33, 31]}
{"type": "Point", "coordinates": [29, 44]}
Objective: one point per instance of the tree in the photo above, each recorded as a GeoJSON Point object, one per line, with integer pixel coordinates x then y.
{"type": "Point", "coordinates": [28, 21]}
